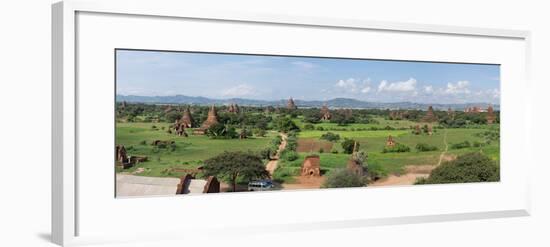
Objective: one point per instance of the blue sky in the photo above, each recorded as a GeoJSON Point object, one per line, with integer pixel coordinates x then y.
{"type": "Point", "coordinates": [152, 73]}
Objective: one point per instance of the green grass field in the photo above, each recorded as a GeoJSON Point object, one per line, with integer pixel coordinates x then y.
{"type": "Point", "coordinates": [373, 143]}
{"type": "Point", "coordinates": [189, 152]}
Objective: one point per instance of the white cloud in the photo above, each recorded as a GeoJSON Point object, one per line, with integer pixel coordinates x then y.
{"type": "Point", "coordinates": [365, 89]}
{"type": "Point", "coordinates": [353, 85]}
{"type": "Point", "coordinates": [348, 85]}
{"type": "Point", "coordinates": [461, 87]}
{"type": "Point", "coordinates": [428, 89]}
{"type": "Point", "coordinates": [399, 86]}
{"type": "Point", "coordinates": [239, 91]}
{"type": "Point", "coordinates": [303, 65]}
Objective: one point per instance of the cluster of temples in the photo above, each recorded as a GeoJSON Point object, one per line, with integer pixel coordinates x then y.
{"type": "Point", "coordinates": [233, 108]}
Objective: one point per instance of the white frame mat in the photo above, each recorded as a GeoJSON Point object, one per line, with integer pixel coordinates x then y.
{"type": "Point", "coordinates": [73, 223]}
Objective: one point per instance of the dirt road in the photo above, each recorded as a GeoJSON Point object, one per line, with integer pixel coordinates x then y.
{"type": "Point", "coordinates": [272, 164]}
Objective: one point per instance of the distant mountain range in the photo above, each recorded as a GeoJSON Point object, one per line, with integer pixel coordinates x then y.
{"type": "Point", "coordinates": [333, 103]}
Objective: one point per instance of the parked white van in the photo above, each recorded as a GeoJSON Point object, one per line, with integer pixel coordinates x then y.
{"type": "Point", "coordinates": [260, 185]}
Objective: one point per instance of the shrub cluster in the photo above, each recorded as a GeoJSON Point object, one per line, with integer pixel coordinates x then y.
{"type": "Point", "coordinates": [424, 147]}
{"type": "Point", "coordinates": [348, 145]}
{"type": "Point", "coordinates": [329, 136]}
{"type": "Point", "coordinates": [460, 145]}
{"type": "Point", "coordinates": [343, 178]}
{"type": "Point", "coordinates": [397, 148]}
{"type": "Point", "coordinates": [467, 168]}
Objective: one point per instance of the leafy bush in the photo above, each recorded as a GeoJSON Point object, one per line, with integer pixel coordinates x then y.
{"type": "Point", "coordinates": [291, 144]}
{"type": "Point", "coordinates": [285, 124]}
{"type": "Point", "coordinates": [478, 144]}
{"type": "Point", "coordinates": [460, 145]}
{"type": "Point", "coordinates": [309, 127]}
{"type": "Point", "coordinates": [329, 136]}
{"type": "Point", "coordinates": [424, 147]}
{"type": "Point", "coordinates": [260, 132]}
{"type": "Point", "coordinates": [266, 153]}
{"type": "Point", "coordinates": [348, 145]}
{"type": "Point", "coordinates": [289, 155]}
{"type": "Point", "coordinates": [397, 148]}
{"type": "Point", "coordinates": [467, 168]}
{"type": "Point", "coordinates": [343, 178]}
{"type": "Point", "coordinates": [172, 116]}
{"type": "Point", "coordinates": [221, 131]}
{"type": "Point", "coordinates": [276, 141]}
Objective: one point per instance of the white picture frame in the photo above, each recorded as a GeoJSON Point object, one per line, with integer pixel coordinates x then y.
{"type": "Point", "coordinates": [67, 103]}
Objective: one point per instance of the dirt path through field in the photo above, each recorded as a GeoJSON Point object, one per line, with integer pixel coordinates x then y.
{"type": "Point", "coordinates": [272, 164]}
{"type": "Point", "coordinates": [446, 148]}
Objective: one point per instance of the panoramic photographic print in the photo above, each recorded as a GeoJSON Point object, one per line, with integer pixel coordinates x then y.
{"type": "Point", "coordinates": [194, 123]}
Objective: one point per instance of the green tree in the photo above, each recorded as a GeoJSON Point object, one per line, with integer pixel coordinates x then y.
{"type": "Point", "coordinates": [231, 166]}
{"type": "Point", "coordinates": [348, 145]}
{"type": "Point", "coordinates": [219, 130]}
{"type": "Point", "coordinates": [467, 168]}
{"type": "Point", "coordinates": [343, 178]}
{"type": "Point", "coordinates": [329, 136]}
{"type": "Point", "coordinates": [172, 116]}
{"type": "Point", "coordinates": [260, 132]}
{"type": "Point", "coordinates": [285, 124]}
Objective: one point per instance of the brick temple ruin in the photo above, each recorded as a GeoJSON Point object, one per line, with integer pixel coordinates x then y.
{"type": "Point", "coordinates": [491, 118]}
{"type": "Point", "coordinates": [186, 118]}
{"type": "Point", "coordinates": [123, 160]}
{"type": "Point", "coordinates": [210, 120]}
{"type": "Point", "coordinates": [325, 113]}
{"type": "Point", "coordinates": [390, 142]}
{"type": "Point", "coordinates": [186, 121]}
{"type": "Point", "coordinates": [291, 105]}
{"type": "Point", "coordinates": [311, 166]}
{"type": "Point", "coordinates": [430, 116]}
{"type": "Point", "coordinates": [189, 185]}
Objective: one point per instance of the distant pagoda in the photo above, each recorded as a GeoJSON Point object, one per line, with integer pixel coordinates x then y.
{"type": "Point", "coordinates": [390, 142]}
{"type": "Point", "coordinates": [234, 108]}
{"type": "Point", "coordinates": [325, 113]}
{"type": "Point", "coordinates": [187, 119]}
{"type": "Point", "coordinates": [490, 115]}
{"type": "Point", "coordinates": [291, 105]}
{"type": "Point", "coordinates": [168, 109]}
{"type": "Point", "coordinates": [430, 116]}
{"type": "Point", "coordinates": [210, 120]}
